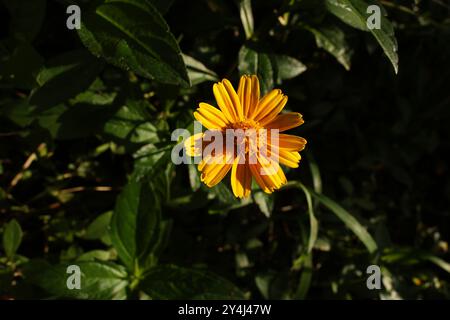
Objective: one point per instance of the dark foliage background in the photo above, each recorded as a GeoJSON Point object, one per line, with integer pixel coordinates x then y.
{"type": "Point", "coordinates": [85, 171]}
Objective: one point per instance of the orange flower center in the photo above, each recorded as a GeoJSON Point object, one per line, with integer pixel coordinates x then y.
{"type": "Point", "coordinates": [245, 125]}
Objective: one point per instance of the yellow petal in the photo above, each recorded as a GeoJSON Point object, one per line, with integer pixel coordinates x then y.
{"type": "Point", "coordinates": [206, 160]}
{"type": "Point", "coordinates": [267, 99]}
{"type": "Point", "coordinates": [268, 174]}
{"type": "Point", "coordinates": [275, 109]}
{"type": "Point", "coordinates": [214, 173]}
{"type": "Point", "coordinates": [238, 110]}
{"type": "Point", "coordinates": [248, 92]}
{"type": "Point", "coordinates": [210, 117]}
{"type": "Point", "coordinates": [206, 122]}
{"type": "Point", "coordinates": [291, 143]}
{"type": "Point", "coordinates": [241, 179]}
{"type": "Point", "coordinates": [225, 102]}
{"type": "Point", "coordinates": [289, 158]}
{"type": "Point", "coordinates": [215, 168]}
{"type": "Point", "coordinates": [255, 170]}
{"type": "Point", "coordinates": [193, 145]}
{"type": "Point", "coordinates": [272, 174]}
{"type": "Point", "coordinates": [274, 100]}
{"type": "Point", "coordinates": [285, 121]}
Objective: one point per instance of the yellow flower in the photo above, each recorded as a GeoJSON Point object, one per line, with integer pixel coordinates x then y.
{"type": "Point", "coordinates": [246, 111]}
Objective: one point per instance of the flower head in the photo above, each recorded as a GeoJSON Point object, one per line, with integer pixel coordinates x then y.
{"type": "Point", "coordinates": [253, 126]}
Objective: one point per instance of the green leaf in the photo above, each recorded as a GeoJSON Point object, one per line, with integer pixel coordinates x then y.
{"type": "Point", "coordinates": [253, 62]}
{"type": "Point", "coordinates": [315, 173]}
{"type": "Point", "coordinates": [224, 194]}
{"type": "Point", "coordinates": [64, 77]}
{"type": "Point", "coordinates": [264, 202]}
{"type": "Point", "coordinates": [354, 13]}
{"type": "Point", "coordinates": [226, 200]}
{"type": "Point", "coordinates": [163, 238]}
{"type": "Point", "coordinates": [132, 124]}
{"type": "Point", "coordinates": [97, 95]}
{"type": "Point", "coordinates": [305, 278]}
{"type": "Point", "coordinates": [412, 256]}
{"type": "Point", "coordinates": [135, 224]}
{"type": "Point", "coordinates": [98, 228]}
{"type": "Point", "coordinates": [19, 112]}
{"type": "Point", "coordinates": [245, 9]}
{"type": "Point", "coordinates": [171, 282]}
{"type": "Point", "coordinates": [332, 39]}
{"type": "Point", "coordinates": [349, 220]}
{"type": "Point", "coordinates": [48, 119]}
{"type": "Point", "coordinates": [344, 10]}
{"type": "Point", "coordinates": [99, 279]}
{"type": "Point", "coordinates": [287, 67]}
{"type": "Point", "coordinates": [263, 282]}
{"type": "Point", "coordinates": [132, 35]}
{"type": "Point", "coordinates": [95, 255]}
{"type": "Point", "coordinates": [160, 181]}
{"type": "Point", "coordinates": [438, 262]}
{"type": "Point", "coordinates": [304, 262]}
{"type": "Point", "coordinates": [12, 237]}
{"type": "Point", "coordinates": [269, 68]}
{"type": "Point", "coordinates": [27, 18]}
{"type": "Point", "coordinates": [313, 223]}
{"type": "Point", "coordinates": [150, 160]}
{"type": "Point", "coordinates": [197, 71]}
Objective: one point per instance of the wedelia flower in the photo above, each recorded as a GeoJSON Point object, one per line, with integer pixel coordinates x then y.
{"type": "Point", "coordinates": [258, 147]}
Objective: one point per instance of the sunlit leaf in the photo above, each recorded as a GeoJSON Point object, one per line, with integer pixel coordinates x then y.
{"type": "Point", "coordinates": [98, 229]}
{"type": "Point", "coordinates": [135, 224]}
{"type": "Point", "coordinates": [354, 13]}
{"type": "Point", "coordinates": [287, 67]}
{"type": "Point", "coordinates": [131, 124]}
{"type": "Point", "coordinates": [245, 9]}
{"type": "Point", "coordinates": [133, 35]}
{"type": "Point", "coordinates": [270, 68]}
{"type": "Point", "coordinates": [150, 160]}
{"type": "Point", "coordinates": [332, 39]}
{"type": "Point", "coordinates": [197, 71]}
{"type": "Point", "coordinates": [253, 62]}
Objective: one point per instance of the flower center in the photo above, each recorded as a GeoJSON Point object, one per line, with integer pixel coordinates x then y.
{"type": "Point", "coordinates": [245, 125]}
{"type": "Point", "coordinates": [246, 135]}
